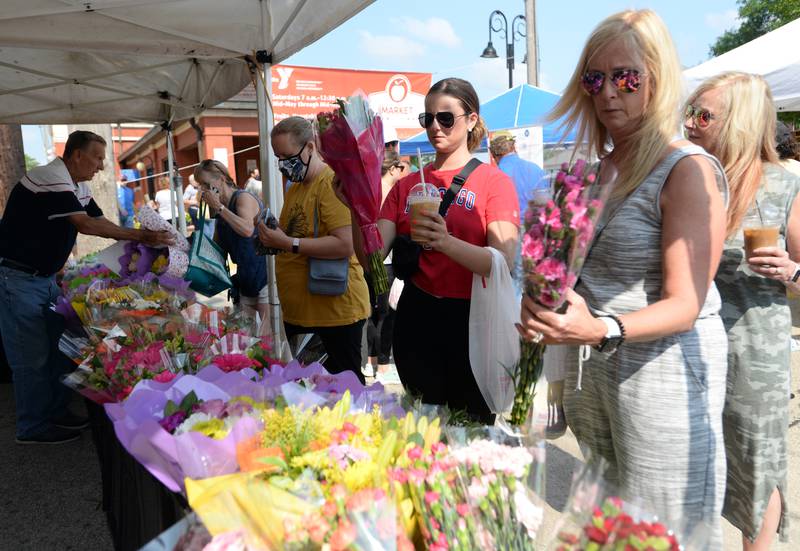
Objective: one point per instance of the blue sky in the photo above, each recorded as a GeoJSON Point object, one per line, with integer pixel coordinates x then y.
{"type": "Point", "coordinates": [446, 38]}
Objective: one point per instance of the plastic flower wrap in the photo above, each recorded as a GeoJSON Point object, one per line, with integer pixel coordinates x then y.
{"type": "Point", "coordinates": [557, 232]}
{"type": "Point", "coordinates": [502, 474]}
{"type": "Point", "coordinates": [190, 425]}
{"type": "Point", "coordinates": [598, 519]}
{"type": "Point", "coordinates": [350, 140]}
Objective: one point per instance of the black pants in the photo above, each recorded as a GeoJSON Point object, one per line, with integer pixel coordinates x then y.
{"type": "Point", "coordinates": [431, 350]}
{"type": "Point", "coordinates": [342, 343]}
{"type": "Point", "coordinates": [380, 326]}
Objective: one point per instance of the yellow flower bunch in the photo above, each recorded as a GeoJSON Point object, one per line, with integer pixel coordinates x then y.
{"type": "Point", "coordinates": [213, 428]}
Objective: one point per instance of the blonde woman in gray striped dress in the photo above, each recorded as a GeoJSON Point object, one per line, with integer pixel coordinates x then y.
{"type": "Point", "coordinates": [733, 117]}
{"type": "Point", "coordinates": [650, 400]}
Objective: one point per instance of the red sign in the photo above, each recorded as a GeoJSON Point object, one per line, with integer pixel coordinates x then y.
{"type": "Point", "coordinates": [398, 98]}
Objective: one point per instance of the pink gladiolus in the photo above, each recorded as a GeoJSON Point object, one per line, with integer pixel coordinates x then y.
{"type": "Point", "coordinates": [431, 497]}
{"type": "Point", "coordinates": [552, 269]}
{"type": "Point", "coordinates": [532, 248]}
{"type": "Point", "coordinates": [343, 536]}
{"type": "Point", "coordinates": [577, 170]}
{"type": "Point", "coordinates": [415, 453]}
{"type": "Point", "coordinates": [551, 217]}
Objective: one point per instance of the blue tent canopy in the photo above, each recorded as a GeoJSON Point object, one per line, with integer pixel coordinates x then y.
{"type": "Point", "coordinates": [523, 105]}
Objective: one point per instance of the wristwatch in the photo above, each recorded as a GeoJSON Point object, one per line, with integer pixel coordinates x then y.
{"type": "Point", "coordinates": [615, 335]}
{"type": "Point", "coordinates": [296, 245]}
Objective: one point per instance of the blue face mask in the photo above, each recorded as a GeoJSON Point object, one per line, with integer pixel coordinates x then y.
{"type": "Point", "coordinates": [293, 168]}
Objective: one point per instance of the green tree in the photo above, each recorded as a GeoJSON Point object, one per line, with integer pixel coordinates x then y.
{"type": "Point", "coordinates": [30, 162]}
{"type": "Point", "coordinates": [757, 17]}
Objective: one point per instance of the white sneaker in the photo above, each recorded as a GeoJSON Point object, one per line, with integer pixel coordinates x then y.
{"type": "Point", "coordinates": [391, 377]}
{"type": "Point", "coordinates": [368, 370]}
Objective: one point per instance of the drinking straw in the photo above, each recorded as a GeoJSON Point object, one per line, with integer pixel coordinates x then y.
{"type": "Point", "coordinates": [421, 172]}
{"type": "Point", "coordinates": [758, 210]}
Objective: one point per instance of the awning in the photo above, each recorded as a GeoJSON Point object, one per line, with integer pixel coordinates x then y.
{"type": "Point", "coordinates": [72, 62]}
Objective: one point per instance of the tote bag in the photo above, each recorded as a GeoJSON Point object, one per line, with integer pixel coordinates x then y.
{"type": "Point", "coordinates": [208, 271]}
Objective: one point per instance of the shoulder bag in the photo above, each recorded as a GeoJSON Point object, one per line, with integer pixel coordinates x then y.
{"type": "Point", "coordinates": [405, 252]}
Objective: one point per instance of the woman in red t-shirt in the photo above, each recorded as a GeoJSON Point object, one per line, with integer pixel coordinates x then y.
{"type": "Point", "coordinates": [431, 333]}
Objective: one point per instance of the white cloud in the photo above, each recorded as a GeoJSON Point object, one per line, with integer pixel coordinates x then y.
{"type": "Point", "coordinates": [390, 47]}
{"type": "Point", "coordinates": [722, 21]}
{"type": "Point", "coordinates": [490, 76]}
{"type": "Point", "coordinates": [434, 30]}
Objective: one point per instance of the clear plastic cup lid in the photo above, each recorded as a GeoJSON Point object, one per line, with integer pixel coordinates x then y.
{"type": "Point", "coordinates": [424, 190]}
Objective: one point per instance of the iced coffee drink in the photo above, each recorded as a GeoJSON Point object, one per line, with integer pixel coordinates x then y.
{"type": "Point", "coordinates": [757, 237]}
{"type": "Point", "coordinates": [421, 198]}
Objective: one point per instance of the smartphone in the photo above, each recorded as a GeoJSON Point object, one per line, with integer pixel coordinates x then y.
{"type": "Point", "coordinates": [271, 222]}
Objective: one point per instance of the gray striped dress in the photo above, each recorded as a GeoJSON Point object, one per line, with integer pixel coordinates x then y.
{"type": "Point", "coordinates": [756, 414]}
{"type": "Point", "coordinates": [653, 409]}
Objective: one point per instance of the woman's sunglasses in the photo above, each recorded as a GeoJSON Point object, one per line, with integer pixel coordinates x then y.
{"type": "Point", "coordinates": [627, 81]}
{"type": "Point", "coordinates": [445, 119]}
{"type": "Point", "coordinates": [702, 117]}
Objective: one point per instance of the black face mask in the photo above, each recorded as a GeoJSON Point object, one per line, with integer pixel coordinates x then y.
{"type": "Point", "coordinates": [294, 168]}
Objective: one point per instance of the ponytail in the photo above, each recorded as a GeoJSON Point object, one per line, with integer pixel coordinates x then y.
{"type": "Point", "coordinates": [476, 136]}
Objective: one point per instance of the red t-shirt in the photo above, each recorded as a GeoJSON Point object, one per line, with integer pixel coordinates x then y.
{"type": "Point", "coordinates": [488, 196]}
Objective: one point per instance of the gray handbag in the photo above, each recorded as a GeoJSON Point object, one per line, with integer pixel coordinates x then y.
{"type": "Point", "coordinates": [327, 276]}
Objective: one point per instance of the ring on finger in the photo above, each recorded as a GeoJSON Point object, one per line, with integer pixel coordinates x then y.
{"type": "Point", "coordinates": [537, 338]}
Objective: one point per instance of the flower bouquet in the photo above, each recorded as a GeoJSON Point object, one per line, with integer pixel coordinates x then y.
{"type": "Point", "coordinates": [556, 237]}
{"type": "Point", "coordinates": [317, 478]}
{"type": "Point", "coordinates": [350, 140]}
{"type": "Point", "coordinates": [502, 475]}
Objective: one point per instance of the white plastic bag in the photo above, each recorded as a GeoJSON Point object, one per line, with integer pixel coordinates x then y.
{"type": "Point", "coordinates": [395, 292]}
{"type": "Point", "coordinates": [493, 338]}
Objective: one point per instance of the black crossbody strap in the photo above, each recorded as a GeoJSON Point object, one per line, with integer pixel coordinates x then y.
{"type": "Point", "coordinates": [455, 186]}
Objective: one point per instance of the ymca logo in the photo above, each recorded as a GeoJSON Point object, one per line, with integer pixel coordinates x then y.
{"type": "Point", "coordinates": [284, 74]}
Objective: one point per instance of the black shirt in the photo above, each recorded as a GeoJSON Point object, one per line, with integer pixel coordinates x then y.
{"type": "Point", "coordinates": [35, 229]}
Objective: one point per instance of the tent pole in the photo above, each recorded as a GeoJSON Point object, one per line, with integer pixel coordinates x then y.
{"type": "Point", "coordinates": [271, 190]}
{"type": "Point", "coordinates": [175, 186]}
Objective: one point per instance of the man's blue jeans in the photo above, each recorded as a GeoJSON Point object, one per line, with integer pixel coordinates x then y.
{"type": "Point", "coordinates": [30, 337]}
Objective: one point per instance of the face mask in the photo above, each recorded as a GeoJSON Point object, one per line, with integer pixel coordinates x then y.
{"type": "Point", "coordinates": [293, 168]}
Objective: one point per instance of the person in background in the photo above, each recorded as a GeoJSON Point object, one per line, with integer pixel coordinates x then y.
{"type": "Point", "coordinates": [46, 210]}
{"type": "Point", "coordinates": [125, 201]}
{"type": "Point", "coordinates": [526, 175]}
{"type": "Point", "coordinates": [162, 201]}
{"type": "Point", "coordinates": [338, 320]}
{"type": "Point", "coordinates": [191, 201]}
{"type": "Point", "coordinates": [431, 328]}
{"type": "Point", "coordinates": [380, 325]}
{"type": "Point", "coordinates": [732, 116]}
{"type": "Point", "coordinates": [253, 184]}
{"type": "Point", "coordinates": [788, 151]}
{"type": "Point", "coordinates": [235, 212]}
{"type": "Point", "coordinates": [390, 140]}
{"type": "Point", "coordinates": [649, 397]}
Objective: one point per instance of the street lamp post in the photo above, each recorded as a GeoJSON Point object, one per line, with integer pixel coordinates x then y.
{"type": "Point", "coordinates": [499, 24]}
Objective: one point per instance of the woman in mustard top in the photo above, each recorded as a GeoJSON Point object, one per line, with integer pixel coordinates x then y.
{"type": "Point", "coordinates": [338, 320]}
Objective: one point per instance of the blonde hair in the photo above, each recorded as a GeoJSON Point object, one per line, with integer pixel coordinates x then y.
{"type": "Point", "coordinates": [645, 34]}
{"type": "Point", "coordinates": [216, 168]}
{"type": "Point", "coordinates": [746, 137]}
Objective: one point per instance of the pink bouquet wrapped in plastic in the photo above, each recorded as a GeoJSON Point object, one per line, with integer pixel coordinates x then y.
{"type": "Point", "coordinates": [350, 139]}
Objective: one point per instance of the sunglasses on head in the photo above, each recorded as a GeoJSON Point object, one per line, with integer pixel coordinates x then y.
{"type": "Point", "coordinates": [627, 81]}
{"type": "Point", "coordinates": [446, 119]}
{"type": "Point", "coordinates": [702, 117]}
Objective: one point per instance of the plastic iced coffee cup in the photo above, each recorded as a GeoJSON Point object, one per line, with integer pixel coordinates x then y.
{"type": "Point", "coordinates": [423, 197]}
{"type": "Point", "coordinates": [761, 228]}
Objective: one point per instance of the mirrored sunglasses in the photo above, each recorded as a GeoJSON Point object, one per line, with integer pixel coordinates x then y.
{"type": "Point", "coordinates": [702, 117]}
{"type": "Point", "coordinates": [626, 81]}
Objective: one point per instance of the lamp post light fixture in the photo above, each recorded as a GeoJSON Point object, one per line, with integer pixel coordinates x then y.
{"type": "Point", "coordinates": [499, 25]}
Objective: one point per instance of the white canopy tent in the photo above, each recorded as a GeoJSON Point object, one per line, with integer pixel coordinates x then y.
{"type": "Point", "coordinates": [160, 61]}
{"type": "Point", "coordinates": [775, 56]}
